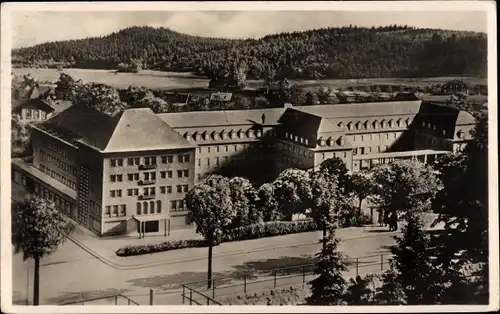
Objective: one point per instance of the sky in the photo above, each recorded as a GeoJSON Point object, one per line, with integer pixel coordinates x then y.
{"type": "Point", "coordinates": [34, 27]}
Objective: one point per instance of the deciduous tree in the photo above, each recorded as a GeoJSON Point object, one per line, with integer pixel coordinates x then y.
{"type": "Point", "coordinates": [292, 192]}
{"type": "Point", "coordinates": [211, 208]}
{"type": "Point", "coordinates": [361, 186]}
{"type": "Point", "coordinates": [99, 97]}
{"type": "Point", "coordinates": [38, 229]}
{"type": "Point", "coordinates": [404, 186]}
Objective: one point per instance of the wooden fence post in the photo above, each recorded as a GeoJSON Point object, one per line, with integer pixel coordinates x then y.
{"type": "Point", "coordinates": [213, 288]}
{"type": "Point", "coordinates": [357, 266]}
{"type": "Point", "coordinates": [381, 262]}
{"type": "Point", "coordinates": [116, 299]}
{"type": "Point", "coordinates": [151, 296]}
{"type": "Point", "coordinates": [245, 283]}
{"type": "Point", "coordinates": [274, 278]}
{"type": "Point", "coordinates": [183, 293]}
{"type": "Point", "coordinates": [190, 296]}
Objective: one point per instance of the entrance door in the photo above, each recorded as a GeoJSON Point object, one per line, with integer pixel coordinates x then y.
{"type": "Point", "coordinates": [151, 226]}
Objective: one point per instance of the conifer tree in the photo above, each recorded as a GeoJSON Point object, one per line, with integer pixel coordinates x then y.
{"type": "Point", "coordinates": [329, 285]}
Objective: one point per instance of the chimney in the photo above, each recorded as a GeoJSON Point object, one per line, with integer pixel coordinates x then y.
{"type": "Point", "coordinates": [263, 118]}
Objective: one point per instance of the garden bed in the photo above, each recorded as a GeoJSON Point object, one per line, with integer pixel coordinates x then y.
{"type": "Point", "coordinates": [256, 231]}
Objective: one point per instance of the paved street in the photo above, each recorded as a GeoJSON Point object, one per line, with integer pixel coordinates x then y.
{"type": "Point", "coordinates": [72, 274]}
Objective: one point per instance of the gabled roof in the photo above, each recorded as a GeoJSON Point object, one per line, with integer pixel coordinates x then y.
{"type": "Point", "coordinates": [33, 103]}
{"type": "Point", "coordinates": [132, 130]}
{"type": "Point", "coordinates": [141, 129]}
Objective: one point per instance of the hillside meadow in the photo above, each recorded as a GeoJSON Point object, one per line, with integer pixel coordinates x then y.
{"type": "Point", "coordinates": [189, 81]}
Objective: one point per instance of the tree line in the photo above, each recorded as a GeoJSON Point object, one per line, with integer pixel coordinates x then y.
{"type": "Point", "coordinates": [340, 52]}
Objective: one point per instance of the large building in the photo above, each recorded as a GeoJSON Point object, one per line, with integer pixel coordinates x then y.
{"type": "Point", "coordinates": [129, 174]}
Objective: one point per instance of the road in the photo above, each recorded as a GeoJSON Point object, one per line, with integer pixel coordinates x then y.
{"type": "Point", "coordinates": [71, 274]}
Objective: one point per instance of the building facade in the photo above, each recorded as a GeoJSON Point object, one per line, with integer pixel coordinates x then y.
{"type": "Point", "coordinates": [129, 174]}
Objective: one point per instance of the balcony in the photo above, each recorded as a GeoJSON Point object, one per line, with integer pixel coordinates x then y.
{"type": "Point", "coordinates": [147, 167]}
{"type": "Point", "coordinates": [146, 197]}
{"type": "Point", "coordinates": [146, 182]}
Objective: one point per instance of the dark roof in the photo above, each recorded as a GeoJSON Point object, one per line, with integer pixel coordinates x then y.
{"type": "Point", "coordinates": [176, 98]}
{"type": "Point", "coordinates": [131, 130]}
{"type": "Point", "coordinates": [33, 103]}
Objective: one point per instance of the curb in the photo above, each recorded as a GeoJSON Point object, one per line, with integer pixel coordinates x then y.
{"type": "Point", "coordinates": [232, 253]}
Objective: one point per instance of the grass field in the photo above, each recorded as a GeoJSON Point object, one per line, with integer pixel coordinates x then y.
{"type": "Point", "coordinates": [188, 81]}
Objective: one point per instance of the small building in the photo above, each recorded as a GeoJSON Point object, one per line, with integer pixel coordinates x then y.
{"type": "Point", "coordinates": [221, 97]}
{"type": "Point", "coordinates": [35, 107]}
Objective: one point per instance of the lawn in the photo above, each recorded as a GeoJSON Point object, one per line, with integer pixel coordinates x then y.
{"type": "Point", "coordinates": [191, 83]}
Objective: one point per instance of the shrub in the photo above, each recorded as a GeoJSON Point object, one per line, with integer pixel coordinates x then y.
{"type": "Point", "coordinates": [255, 231]}
{"type": "Point", "coordinates": [131, 250]}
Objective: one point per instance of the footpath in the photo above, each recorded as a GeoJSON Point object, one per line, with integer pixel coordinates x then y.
{"type": "Point", "coordinates": [105, 251]}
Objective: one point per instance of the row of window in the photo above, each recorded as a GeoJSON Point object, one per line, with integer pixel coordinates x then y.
{"type": "Point", "coordinates": [149, 160]}
{"type": "Point", "coordinates": [370, 149]}
{"type": "Point", "coordinates": [34, 113]}
{"type": "Point", "coordinates": [295, 150]}
{"type": "Point", "coordinates": [296, 138]}
{"type": "Point", "coordinates": [145, 208]}
{"type": "Point", "coordinates": [61, 204]}
{"type": "Point", "coordinates": [116, 210]}
{"type": "Point", "coordinates": [58, 177]}
{"type": "Point", "coordinates": [224, 148]}
{"type": "Point", "coordinates": [149, 176]}
{"type": "Point", "coordinates": [58, 162]}
{"type": "Point", "coordinates": [431, 126]}
{"type": "Point", "coordinates": [59, 148]}
{"type": "Point", "coordinates": [366, 125]}
{"type": "Point", "coordinates": [224, 135]}
{"type": "Point", "coordinates": [178, 206]}
{"type": "Point", "coordinates": [150, 191]}
{"type": "Point", "coordinates": [371, 137]}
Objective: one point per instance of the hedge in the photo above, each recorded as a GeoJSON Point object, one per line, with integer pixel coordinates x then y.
{"type": "Point", "coordinates": [256, 231]}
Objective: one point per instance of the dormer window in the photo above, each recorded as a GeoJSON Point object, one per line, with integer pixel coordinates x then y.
{"type": "Point", "coordinates": [223, 134]}
{"type": "Point", "coordinates": [197, 136]}
{"type": "Point", "coordinates": [214, 135]}
{"type": "Point", "coordinates": [240, 134]}
{"type": "Point", "coordinates": [407, 121]}
{"type": "Point", "coordinates": [375, 124]}
{"type": "Point", "coordinates": [259, 133]}
{"type": "Point", "coordinates": [366, 124]}
{"type": "Point", "coordinates": [349, 126]}
{"type": "Point", "coordinates": [340, 125]}
{"type": "Point", "coordinates": [321, 142]}
{"type": "Point", "coordinates": [251, 133]}
{"type": "Point", "coordinates": [460, 134]}
{"type": "Point", "coordinates": [390, 123]}
{"type": "Point", "coordinates": [398, 122]}
{"type": "Point", "coordinates": [231, 134]}
{"type": "Point", "coordinates": [382, 124]}
{"type": "Point", "coordinates": [341, 141]}
{"type": "Point", "coordinates": [357, 125]}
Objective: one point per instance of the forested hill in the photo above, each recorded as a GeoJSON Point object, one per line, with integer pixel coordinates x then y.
{"type": "Point", "coordinates": [346, 52]}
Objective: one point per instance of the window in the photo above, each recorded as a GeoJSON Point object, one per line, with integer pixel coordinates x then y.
{"type": "Point", "coordinates": [186, 157]}
{"type": "Point", "coordinates": [169, 189]}
{"type": "Point", "coordinates": [164, 159]}
{"type": "Point", "coordinates": [130, 161]}
{"type": "Point", "coordinates": [139, 207]}
{"type": "Point", "coordinates": [119, 193]}
{"type": "Point", "coordinates": [216, 162]}
{"type": "Point", "coordinates": [173, 205]}
{"type": "Point", "coordinates": [130, 192]}
{"type": "Point", "coordinates": [179, 189]}
{"type": "Point", "coordinates": [362, 150]}
{"type": "Point", "coordinates": [162, 189]}
{"type": "Point", "coordinates": [112, 193]}
{"type": "Point", "coordinates": [145, 207]}
{"type": "Point", "coordinates": [115, 209]}
{"type": "Point", "coordinates": [186, 188]}
{"type": "Point", "coordinates": [130, 177]}
{"type": "Point", "coordinates": [123, 210]}
{"type": "Point", "coordinates": [146, 176]}
{"type": "Point", "coordinates": [107, 210]}
{"type": "Point", "coordinates": [119, 177]}
{"type": "Point", "coordinates": [119, 162]}
{"type": "Point", "coordinates": [158, 206]}
{"type": "Point", "coordinates": [113, 162]}
{"type": "Point", "coordinates": [163, 174]}
{"type": "Point", "coordinates": [152, 207]}
{"type": "Point", "coordinates": [145, 191]}
{"type": "Point", "coordinates": [112, 178]}
{"type": "Point", "coordinates": [179, 173]}
{"type": "Point", "coordinates": [208, 162]}
{"type": "Point", "coordinates": [152, 191]}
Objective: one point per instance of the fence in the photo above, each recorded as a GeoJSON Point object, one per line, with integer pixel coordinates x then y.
{"type": "Point", "coordinates": [117, 299]}
{"type": "Point", "coordinates": [197, 293]}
